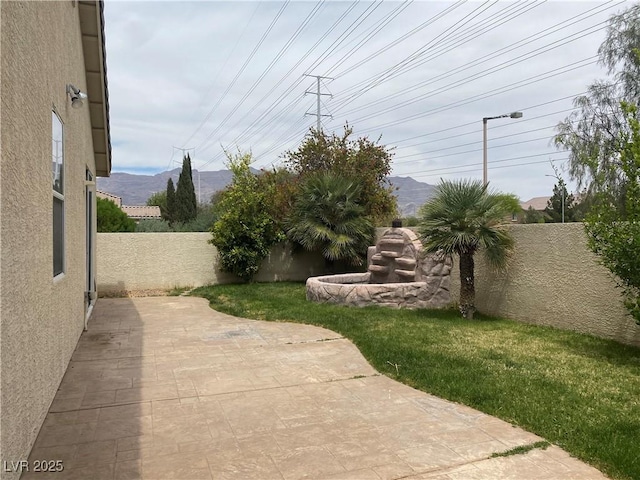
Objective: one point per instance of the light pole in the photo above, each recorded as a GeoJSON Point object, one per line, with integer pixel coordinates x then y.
{"type": "Point", "coordinates": [485, 175]}
{"type": "Point", "coordinates": [561, 183]}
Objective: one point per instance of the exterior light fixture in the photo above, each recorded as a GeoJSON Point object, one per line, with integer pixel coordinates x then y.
{"type": "Point", "coordinates": [76, 95]}
{"type": "Point", "coordinates": [485, 179]}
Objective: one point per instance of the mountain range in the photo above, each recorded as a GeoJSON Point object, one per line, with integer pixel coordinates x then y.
{"type": "Point", "coordinates": [136, 189]}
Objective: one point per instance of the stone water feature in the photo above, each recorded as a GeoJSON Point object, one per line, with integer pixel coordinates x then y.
{"type": "Point", "coordinates": [398, 276]}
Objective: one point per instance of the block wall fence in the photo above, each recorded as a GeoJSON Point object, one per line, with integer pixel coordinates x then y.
{"type": "Point", "coordinates": [553, 278]}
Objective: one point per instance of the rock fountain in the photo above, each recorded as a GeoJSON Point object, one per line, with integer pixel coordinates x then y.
{"type": "Point", "coordinates": [398, 275]}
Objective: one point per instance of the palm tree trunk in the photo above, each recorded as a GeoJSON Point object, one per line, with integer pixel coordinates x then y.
{"type": "Point", "coordinates": [467, 286]}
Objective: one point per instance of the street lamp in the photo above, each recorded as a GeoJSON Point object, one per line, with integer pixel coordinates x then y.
{"type": "Point", "coordinates": [561, 183]}
{"type": "Point", "coordinates": [485, 175]}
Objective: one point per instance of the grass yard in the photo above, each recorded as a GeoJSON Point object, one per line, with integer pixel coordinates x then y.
{"type": "Point", "coordinates": [579, 392]}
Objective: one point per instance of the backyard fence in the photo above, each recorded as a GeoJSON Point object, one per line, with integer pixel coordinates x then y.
{"type": "Point", "coordinates": [552, 279]}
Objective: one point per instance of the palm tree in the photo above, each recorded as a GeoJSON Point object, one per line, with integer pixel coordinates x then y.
{"type": "Point", "coordinates": [460, 219]}
{"type": "Point", "coordinates": [327, 217]}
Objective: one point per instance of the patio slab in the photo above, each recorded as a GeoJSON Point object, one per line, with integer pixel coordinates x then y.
{"type": "Point", "coordinates": [167, 388]}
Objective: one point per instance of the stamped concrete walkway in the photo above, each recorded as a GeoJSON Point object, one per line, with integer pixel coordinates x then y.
{"type": "Point", "coordinates": [168, 388]}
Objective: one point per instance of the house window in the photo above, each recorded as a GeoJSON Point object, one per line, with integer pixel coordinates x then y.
{"type": "Point", "coordinates": [57, 165]}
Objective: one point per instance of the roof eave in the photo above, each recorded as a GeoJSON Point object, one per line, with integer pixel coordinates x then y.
{"type": "Point", "coordinates": [93, 45]}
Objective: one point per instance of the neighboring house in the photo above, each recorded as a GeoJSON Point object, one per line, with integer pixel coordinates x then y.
{"type": "Point", "coordinates": [537, 203]}
{"type": "Point", "coordinates": [135, 212]}
{"type": "Point", "coordinates": [141, 212]}
{"type": "Point", "coordinates": [54, 143]}
{"type": "Point", "coordinates": [109, 196]}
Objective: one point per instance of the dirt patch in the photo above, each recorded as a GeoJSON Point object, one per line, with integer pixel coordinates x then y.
{"type": "Point", "coordinates": [134, 293]}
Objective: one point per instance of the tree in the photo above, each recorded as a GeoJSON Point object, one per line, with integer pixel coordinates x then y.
{"type": "Point", "coordinates": [281, 187]}
{"type": "Point", "coordinates": [170, 210]}
{"type": "Point", "coordinates": [559, 201]}
{"type": "Point", "coordinates": [158, 199]}
{"type": "Point", "coordinates": [186, 206]}
{"type": "Point", "coordinates": [327, 217]}
{"type": "Point", "coordinates": [362, 160]}
{"type": "Point", "coordinates": [244, 232]}
{"type": "Point", "coordinates": [461, 218]}
{"type": "Point", "coordinates": [111, 218]}
{"type": "Point", "coordinates": [614, 233]}
{"type": "Point", "coordinates": [591, 133]}
{"type": "Point", "coordinates": [533, 216]}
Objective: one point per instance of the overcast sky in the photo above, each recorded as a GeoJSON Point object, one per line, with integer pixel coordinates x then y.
{"type": "Point", "coordinates": [421, 74]}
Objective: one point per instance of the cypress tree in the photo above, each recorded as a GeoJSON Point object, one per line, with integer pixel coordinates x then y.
{"type": "Point", "coordinates": [170, 213]}
{"type": "Point", "coordinates": [186, 206]}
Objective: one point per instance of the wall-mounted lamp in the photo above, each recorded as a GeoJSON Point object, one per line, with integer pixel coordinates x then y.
{"type": "Point", "coordinates": [77, 96]}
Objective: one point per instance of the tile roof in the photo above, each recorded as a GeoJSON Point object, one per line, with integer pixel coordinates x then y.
{"type": "Point", "coordinates": [109, 196]}
{"type": "Point", "coordinates": [141, 211]}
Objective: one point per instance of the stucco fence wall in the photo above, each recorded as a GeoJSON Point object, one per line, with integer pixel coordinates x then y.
{"type": "Point", "coordinates": [553, 279]}
{"type": "Point", "coordinates": [151, 261]}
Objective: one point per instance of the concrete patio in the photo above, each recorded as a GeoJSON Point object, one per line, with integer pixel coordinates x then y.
{"type": "Point", "coordinates": [165, 387]}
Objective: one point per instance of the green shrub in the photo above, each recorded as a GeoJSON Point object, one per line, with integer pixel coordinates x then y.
{"type": "Point", "coordinates": [244, 232]}
{"type": "Point", "coordinates": [111, 218]}
{"type": "Point", "coordinates": [153, 225]}
{"type": "Point", "coordinates": [202, 223]}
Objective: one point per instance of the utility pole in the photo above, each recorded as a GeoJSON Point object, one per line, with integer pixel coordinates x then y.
{"type": "Point", "coordinates": [318, 115]}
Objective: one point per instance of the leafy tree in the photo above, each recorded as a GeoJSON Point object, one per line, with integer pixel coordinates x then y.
{"type": "Point", "coordinates": [158, 199]}
{"type": "Point", "coordinates": [111, 218]}
{"type": "Point", "coordinates": [533, 216]}
{"type": "Point", "coordinates": [614, 233]}
{"type": "Point", "coordinates": [327, 217]}
{"type": "Point", "coordinates": [244, 232]}
{"type": "Point", "coordinates": [591, 133]}
{"type": "Point", "coordinates": [461, 218]}
{"type": "Point", "coordinates": [555, 204]}
{"type": "Point", "coordinates": [280, 186]}
{"type": "Point", "coordinates": [362, 160]}
{"type": "Point", "coordinates": [203, 222]}
{"type": "Point", "coordinates": [186, 206]}
{"type": "Point", "coordinates": [170, 210]}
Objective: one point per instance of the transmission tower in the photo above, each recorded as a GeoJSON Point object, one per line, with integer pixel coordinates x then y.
{"type": "Point", "coordinates": [319, 94]}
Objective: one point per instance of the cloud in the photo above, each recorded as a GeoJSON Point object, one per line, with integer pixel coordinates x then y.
{"type": "Point", "coordinates": [194, 74]}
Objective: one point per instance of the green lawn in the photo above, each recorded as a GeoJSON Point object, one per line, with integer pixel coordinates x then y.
{"type": "Point", "coordinates": [579, 392]}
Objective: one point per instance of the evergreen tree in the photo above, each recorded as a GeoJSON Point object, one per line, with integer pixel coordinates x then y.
{"type": "Point", "coordinates": [561, 200]}
{"type": "Point", "coordinates": [170, 209]}
{"type": "Point", "coordinates": [186, 206]}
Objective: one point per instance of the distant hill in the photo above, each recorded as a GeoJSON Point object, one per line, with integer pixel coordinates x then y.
{"type": "Point", "coordinates": [136, 189]}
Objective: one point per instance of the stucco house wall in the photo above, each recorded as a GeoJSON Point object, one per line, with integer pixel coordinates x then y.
{"type": "Point", "coordinates": [553, 279]}
{"type": "Point", "coordinates": [41, 318]}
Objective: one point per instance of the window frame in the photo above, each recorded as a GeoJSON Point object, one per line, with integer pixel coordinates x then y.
{"type": "Point", "coordinates": [59, 197]}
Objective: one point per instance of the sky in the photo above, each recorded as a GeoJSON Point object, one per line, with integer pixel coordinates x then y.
{"type": "Point", "coordinates": [417, 76]}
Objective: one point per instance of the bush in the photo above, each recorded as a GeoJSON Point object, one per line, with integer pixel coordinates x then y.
{"type": "Point", "coordinates": [614, 233]}
{"type": "Point", "coordinates": [244, 232]}
{"type": "Point", "coordinates": [111, 218]}
{"type": "Point", "coordinates": [202, 223]}
{"type": "Point", "coordinates": [153, 225]}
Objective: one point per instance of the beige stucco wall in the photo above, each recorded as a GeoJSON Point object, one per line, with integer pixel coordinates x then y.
{"type": "Point", "coordinates": [41, 319]}
{"type": "Point", "coordinates": [553, 279]}
{"type": "Point", "coordinates": [143, 261]}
